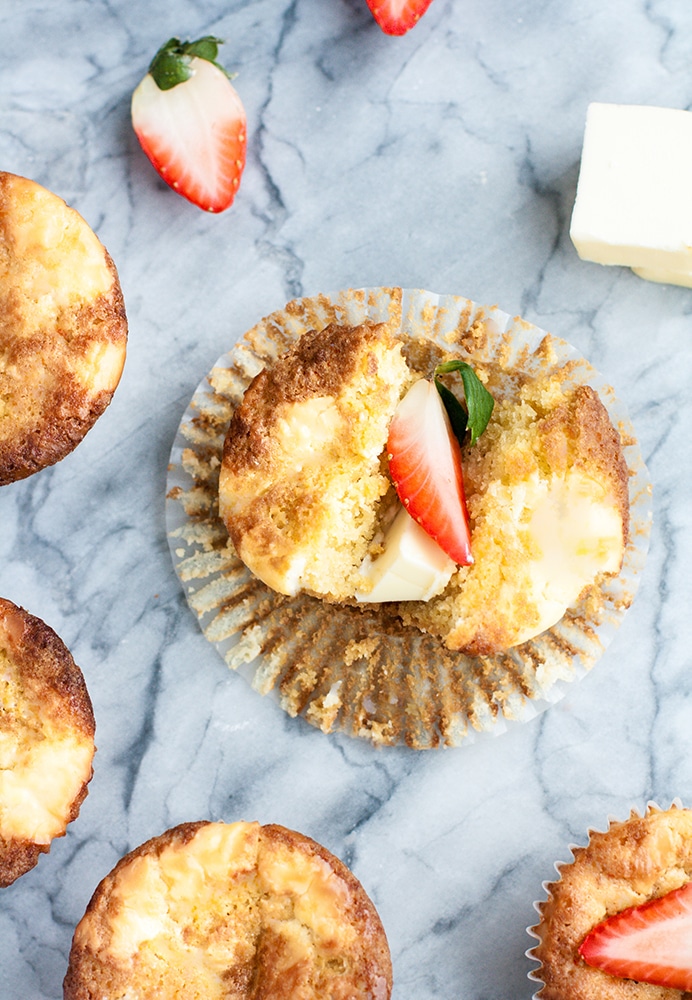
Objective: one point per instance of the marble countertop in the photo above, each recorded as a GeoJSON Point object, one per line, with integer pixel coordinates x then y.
{"type": "Point", "coordinates": [445, 160]}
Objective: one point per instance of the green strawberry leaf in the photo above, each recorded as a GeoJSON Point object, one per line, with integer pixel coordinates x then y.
{"type": "Point", "coordinates": [479, 402]}
{"type": "Point", "coordinates": [168, 67]}
{"type": "Point", "coordinates": [171, 64]}
{"type": "Point", "coordinates": [458, 417]}
{"type": "Point", "coordinates": [205, 48]}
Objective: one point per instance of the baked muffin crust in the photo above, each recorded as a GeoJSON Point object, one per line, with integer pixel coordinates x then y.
{"type": "Point", "coordinates": [46, 739]}
{"type": "Point", "coordinates": [302, 472]}
{"type": "Point", "coordinates": [634, 861]}
{"type": "Point", "coordinates": [547, 494]}
{"type": "Point", "coordinates": [306, 495]}
{"type": "Point", "coordinates": [63, 329]}
{"type": "Point", "coordinates": [214, 910]}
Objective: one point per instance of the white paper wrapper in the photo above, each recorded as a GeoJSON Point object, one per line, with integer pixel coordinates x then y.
{"type": "Point", "coordinates": [669, 875]}
{"type": "Point", "coordinates": [341, 668]}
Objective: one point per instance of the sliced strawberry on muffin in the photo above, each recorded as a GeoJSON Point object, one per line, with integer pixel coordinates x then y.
{"type": "Point", "coordinates": [424, 451]}
{"type": "Point", "coordinates": [651, 943]}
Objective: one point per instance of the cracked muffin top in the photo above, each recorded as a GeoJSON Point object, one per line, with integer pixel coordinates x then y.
{"type": "Point", "coordinates": [46, 739]}
{"type": "Point", "coordinates": [239, 910]}
{"type": "Point", "coordinates": [63, 330]}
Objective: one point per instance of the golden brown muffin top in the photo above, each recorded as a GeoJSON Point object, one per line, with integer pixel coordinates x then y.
{"type": "Point", "coordinates": [302, 471]}
{"type": "Point", "coordinates": [46, 739]}
{"type": "Point", "coordinates": [63, 329]}
{"type": "Point", "coordinates": [547, 494]}
{"type": "Point", "coordinates": [214, 910]}
{"type": "Point", "coordinates": [631, 863]}
{"type": "Point", "coordinates": [578, 434]}
{"type": "Point", "coordinates": [321, 363]}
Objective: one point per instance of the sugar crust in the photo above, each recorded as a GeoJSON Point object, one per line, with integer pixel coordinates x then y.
{"type": "Point", "coordinates": [46, 739]}
{"type": "Point", "coordinates": [212, 910]}
{"type": "Point", "coordinates": [634, 861]}
{"type": "Point", "coordinates": [63, 329]}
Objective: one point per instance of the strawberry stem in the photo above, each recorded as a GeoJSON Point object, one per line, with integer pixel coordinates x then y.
{"type": "Point", "coordinates": [171, 64]}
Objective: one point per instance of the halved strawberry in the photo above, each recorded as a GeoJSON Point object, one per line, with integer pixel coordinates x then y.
{"type": "Point", "coordinates": [651, 943]}
{"type": "Point", "coordinates": [425, 465]}
{"type": "Point", "coordinates": [191, 123]}
{"type": "Point", "coordinates": [396, 17]}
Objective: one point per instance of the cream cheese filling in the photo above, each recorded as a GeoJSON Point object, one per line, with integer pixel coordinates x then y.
{"type": "Point", "coordinates": [568, 529]}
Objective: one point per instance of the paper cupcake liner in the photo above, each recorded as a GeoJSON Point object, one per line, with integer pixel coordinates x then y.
{"type": "Point", "coordinates": [548, 887]}
{"type": "Point", "coordinates": [341, 668]}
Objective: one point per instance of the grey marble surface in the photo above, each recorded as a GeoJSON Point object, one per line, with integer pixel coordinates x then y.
{"type": "Point", "coordinates": [447, 160]}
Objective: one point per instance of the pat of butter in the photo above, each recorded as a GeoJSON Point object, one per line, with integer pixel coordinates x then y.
{"type": "Point", "coordinates": [412, 567]}
{"type": "Point", "coordinates": [634, 196]}
{"type": "Point", "coordinates": [666, 276]}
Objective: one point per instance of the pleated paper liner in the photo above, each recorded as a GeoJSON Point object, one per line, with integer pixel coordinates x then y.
{"type": "Point", "coordinates": [355, 670]}
{"type": "Point", "coordinates": [556, 951]}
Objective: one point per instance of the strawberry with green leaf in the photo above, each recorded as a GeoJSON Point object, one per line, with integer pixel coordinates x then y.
{"type": "Point", "coordinates": [191, 123]}
{"type": "Point", "coordinates": [396, 17]}
{"type": "Point", "coordinates": [650, 943]}
{"type": "Point", "coordinates": [424, 452]}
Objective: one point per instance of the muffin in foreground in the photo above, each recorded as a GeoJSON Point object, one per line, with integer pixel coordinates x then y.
{"type": "Point", "coordinates": [617, 923]}
{"type": "Point", "coordinates": [63, 330]}
{"type": "Point", "coordinates": [357, 666]}
{"type": "Point", "coordinates": [312, 487]}
{"type": "Point", "coordinates": [215, 910]}
{"type": "Point", "coordinates": [46, 740]}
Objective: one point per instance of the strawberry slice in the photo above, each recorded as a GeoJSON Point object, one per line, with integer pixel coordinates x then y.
{"type": "Point", "coordinates": [425, 465]}
{"type": "Point", "coordinates": [396, 17]}
{"type": "Point", "coordinates": [651, 943]}
{"type": "Point", "coordinates": [191, 123]}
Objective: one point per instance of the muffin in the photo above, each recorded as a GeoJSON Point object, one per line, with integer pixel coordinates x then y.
{"type": "Point", "coordinates": [46, 740]}
{"type": "Point", "coordinates": [63, 329]}
{"type": "Point", "coordinates": [211, 910]}
{"type": "Point", "coordinates": [632, 863]}
{"type": "Point", "coordinates": [323, 636]}
{"type": "Point", "coordinates": [308, 497]}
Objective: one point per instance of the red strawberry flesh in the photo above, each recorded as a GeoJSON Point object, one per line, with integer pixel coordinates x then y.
{"type": "Point", "coordinates": [651, 943]}
{"type": "Point", "coordinates": [396, 17]}
{"type": "Point", "coordinates": [425, 466]}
